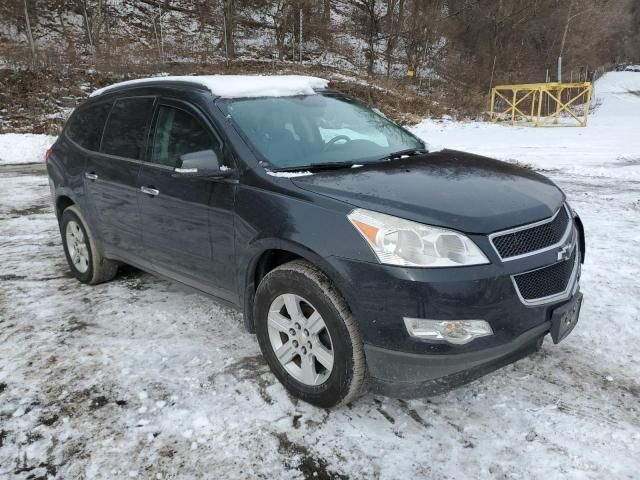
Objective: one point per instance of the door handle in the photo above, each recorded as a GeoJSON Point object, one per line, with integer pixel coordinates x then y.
{"type": "Point", "coordinates": [91, 176]}
{"type": "Point", "coordinates": [149, 191]}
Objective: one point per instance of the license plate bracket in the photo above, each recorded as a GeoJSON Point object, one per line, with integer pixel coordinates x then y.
{"type": "Point", "coordinates": [565, 318]}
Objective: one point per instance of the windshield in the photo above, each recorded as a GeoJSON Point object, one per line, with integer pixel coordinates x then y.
{"type": "Point", "coordinates": [310, 130]}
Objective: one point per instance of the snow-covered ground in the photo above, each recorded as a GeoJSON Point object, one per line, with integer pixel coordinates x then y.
{"type": "Point", "coordinates": [139, 378]}
{"type": "Point", "coordinates": [609, 146]}
{"type": "Point", "coordinates": [24, 147]}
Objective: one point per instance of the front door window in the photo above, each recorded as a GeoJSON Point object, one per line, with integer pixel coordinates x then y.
{"type": "Point", "coordinates": [177, 133]}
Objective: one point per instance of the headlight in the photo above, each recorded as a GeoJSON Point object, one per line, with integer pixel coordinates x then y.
{"type": "Point", "coordinates": [396, 241]}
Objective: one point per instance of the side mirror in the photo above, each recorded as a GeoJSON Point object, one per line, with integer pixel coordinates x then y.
{"type": "Point", "coordinates": [204, 163]}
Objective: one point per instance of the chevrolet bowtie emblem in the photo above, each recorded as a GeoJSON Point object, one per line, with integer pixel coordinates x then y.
{"type": "Point", "coordinates": [565, 253]}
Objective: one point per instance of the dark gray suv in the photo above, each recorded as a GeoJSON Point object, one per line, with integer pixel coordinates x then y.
{"type": "Point", "coordinates": [357, 256]}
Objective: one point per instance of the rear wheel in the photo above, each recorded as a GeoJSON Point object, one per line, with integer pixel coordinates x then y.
{"type": "Point", "coordinates": [308, 337]}
{"type": "Point", "coordinates": [83, 253]}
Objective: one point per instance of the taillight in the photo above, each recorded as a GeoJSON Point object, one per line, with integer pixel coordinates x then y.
{"type": "Point", "coordinates": [47, 155]}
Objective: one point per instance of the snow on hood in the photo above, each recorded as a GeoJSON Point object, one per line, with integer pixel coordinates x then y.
{"type": "Point", "coordinates": [240, 86]}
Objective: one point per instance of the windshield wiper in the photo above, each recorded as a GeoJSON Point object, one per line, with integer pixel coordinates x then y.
{"type": "Point", "coordinates": [317, 166]}
{"type": "Point", "coordinates": [403, 153]}
{"type": "Point", "coordinates": [313, 167]}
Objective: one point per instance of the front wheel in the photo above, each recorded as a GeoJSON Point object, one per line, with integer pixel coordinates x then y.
{"type": "Point", "coordinates": [308, 337]}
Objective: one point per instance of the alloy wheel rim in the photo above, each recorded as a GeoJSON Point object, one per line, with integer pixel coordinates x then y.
{"type": "Point", "coordinates": [300, 339]}
{"type": "Point", "coordinates": [77, 246]}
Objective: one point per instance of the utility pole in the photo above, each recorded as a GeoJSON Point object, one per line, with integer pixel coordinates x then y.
{"type": "Point", "coordinates": [161, 37]}
{"type": "Point", "coordinates": [226, 48]}
{"type": "Point", "coordinates": [300, 36]}
{"type": "Point", "coordinates": [547, 80]}
{"type": "Point", "coordinates": [560, 69]}
{"type": "Point", "coordinates": [493, 69]}
{"type": "Point", "coordinates": [228, 10]}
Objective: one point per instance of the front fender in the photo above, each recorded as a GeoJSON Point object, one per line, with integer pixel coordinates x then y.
{"type": "Point", "coordinates": [310, 226]}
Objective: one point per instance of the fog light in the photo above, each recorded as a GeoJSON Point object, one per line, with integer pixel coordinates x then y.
{"type": "Point", "coordinates": [453, 331]}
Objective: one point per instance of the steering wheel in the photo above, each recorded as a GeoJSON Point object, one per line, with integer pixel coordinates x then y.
{"type": "Point", "coordinates": [334, 140]}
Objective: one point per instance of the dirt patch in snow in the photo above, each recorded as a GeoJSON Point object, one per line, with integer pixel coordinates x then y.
{"type": "Point", "coordinates": [299, 457]}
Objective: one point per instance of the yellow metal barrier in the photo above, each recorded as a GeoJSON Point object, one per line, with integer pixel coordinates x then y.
{"type": "Point", "coordinates": [527, 102]}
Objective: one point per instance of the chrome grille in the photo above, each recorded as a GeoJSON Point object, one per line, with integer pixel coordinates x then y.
{"type": "Point", "coordinates": [532, 238]}
{"type": "Point", "coordinates": [547, 282]}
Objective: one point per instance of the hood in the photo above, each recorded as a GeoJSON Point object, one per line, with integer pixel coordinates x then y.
{"type": "Point", "coordinates": [458, 190]}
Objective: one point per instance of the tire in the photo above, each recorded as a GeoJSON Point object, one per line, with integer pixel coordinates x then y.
{"type": "Point", "coordinates": [304, 371]}
{"type": "Point", "coordinates": [84, 255]}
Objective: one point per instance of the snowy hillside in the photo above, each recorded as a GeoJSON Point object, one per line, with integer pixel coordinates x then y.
{"type": "Point", "coordinates": [137, 378]}
{"type": "Point", "coordinates": [620, 96]}
{"type": "Point", "coordinates": [182, 31]}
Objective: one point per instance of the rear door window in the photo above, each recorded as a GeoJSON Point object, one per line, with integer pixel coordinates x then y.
{"type": "Point", "coordinates": [127, 127]}
{"type": "Point", "coordinates": [86, 125]}
{"type": "Point", "coordinates": [177, 133]}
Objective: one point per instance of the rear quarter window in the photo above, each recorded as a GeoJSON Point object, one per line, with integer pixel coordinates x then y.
{"type": "Point", "coordinates": [126, 131]}
{"type": "Point", "coordinates": [86, 125]}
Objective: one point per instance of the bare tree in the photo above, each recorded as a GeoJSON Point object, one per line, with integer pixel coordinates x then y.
{"type": "Point", "coordinates": [368, 17]}
{"type": "Point", "coordinates": [395, 19]}
{"type": "Point", "coordinates": [326, 13]}
{"type": "Point", "coordinates": [27, 21]}
{"type": "Point", "coordinates": [571, 15]}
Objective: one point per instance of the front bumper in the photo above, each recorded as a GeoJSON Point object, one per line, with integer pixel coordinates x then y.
{"type": "Point", "coordinates": [406, 375]}
{"type": "Point", "coordinates": [381, 296]}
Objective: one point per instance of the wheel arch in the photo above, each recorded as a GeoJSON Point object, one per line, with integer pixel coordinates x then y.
{"type": "Point", "coordinates": [62, 202]}
{"type": "Point", "coordinates": [271, 256]}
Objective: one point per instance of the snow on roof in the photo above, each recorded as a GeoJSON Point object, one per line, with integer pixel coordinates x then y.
{"type": "Point", "coordinates": [239, 86]}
